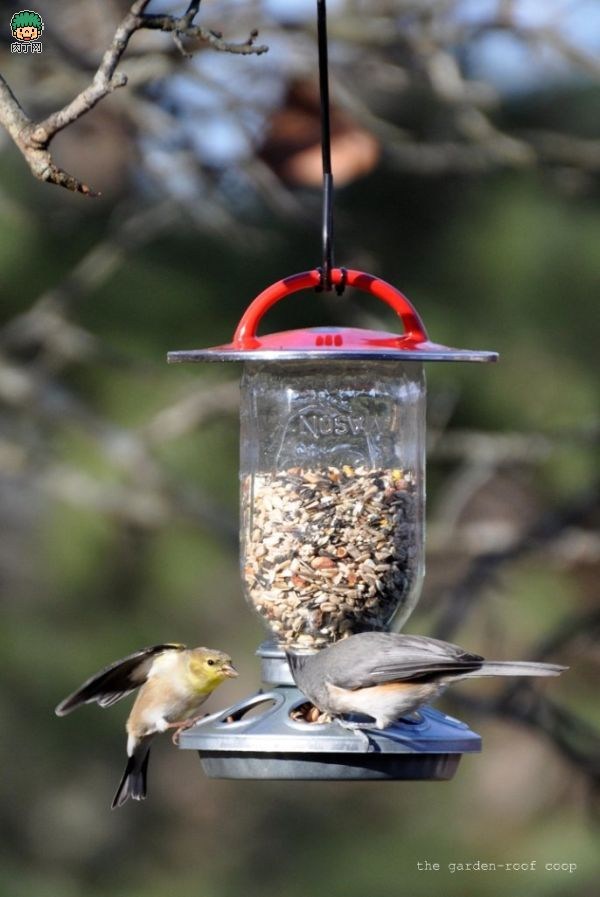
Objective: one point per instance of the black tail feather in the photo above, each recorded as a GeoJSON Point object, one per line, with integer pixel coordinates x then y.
{"type": "Point", "coordinates": [134, 783]}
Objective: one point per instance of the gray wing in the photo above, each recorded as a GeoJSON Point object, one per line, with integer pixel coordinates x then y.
{"type": "Point", "coordinates": [116, 680]}
{"type": "Point", "coordinates": [372, 658]}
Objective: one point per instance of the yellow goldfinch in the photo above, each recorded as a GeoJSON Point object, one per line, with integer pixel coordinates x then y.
{"type": "Point", "coordinates": [175, 681]}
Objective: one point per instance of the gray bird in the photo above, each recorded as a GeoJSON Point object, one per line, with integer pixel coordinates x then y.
{"type": "Point", "coordinates": [386, 675]}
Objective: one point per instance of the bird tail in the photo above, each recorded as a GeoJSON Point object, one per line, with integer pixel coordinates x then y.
{"type": "Point", "coordinates": [512, 668]}
{"type": "Point", "coordinates": [134, 783]}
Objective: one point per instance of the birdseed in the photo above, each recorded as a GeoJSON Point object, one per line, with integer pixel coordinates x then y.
{"type": "Point", "coordinates": [328, 552]}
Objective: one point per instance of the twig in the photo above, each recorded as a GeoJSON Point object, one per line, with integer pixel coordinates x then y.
{"type": "Point", "coordinates": [189, 412]}
{"type": "Point", "coordinates": [586, 625]}
{"type": "Point", "coordinates": [572, 736]}
{"type": "Point", "coordinates": [149, 497]}
{"type": "Point", "coordinates": [45, 327]}
{"type": "Point", "coordinates": [484, 569]}
{"type": "Point", "coordinates": [33, 139]}
{"type": "Point", "coordinates": [183, 27]}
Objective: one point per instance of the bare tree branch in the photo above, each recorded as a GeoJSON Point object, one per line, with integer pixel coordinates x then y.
{"type": "Point", "coordinates": [33, 139]}
{"type": "Point", "coordinates": [37, 156]}
{"type": "Point", "coordinates": [572, 736]}
{"type": "Point", "coordinates": [484, 569]}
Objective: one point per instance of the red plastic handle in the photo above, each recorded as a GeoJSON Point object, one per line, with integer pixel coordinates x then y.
{"type": "Point", "coordinates": [413, 325]}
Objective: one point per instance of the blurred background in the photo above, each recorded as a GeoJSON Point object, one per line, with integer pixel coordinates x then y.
{"type": "Point", "coordinates": [466, 147]}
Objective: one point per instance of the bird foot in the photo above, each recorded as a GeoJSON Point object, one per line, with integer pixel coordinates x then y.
{"type": "Point", "coordinates": [358, 729]}
{"type": "Point", "coordinates": [182, 726]}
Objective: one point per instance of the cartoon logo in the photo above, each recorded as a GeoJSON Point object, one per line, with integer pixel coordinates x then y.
{"type": "Point", "coordinates": [27, 27]}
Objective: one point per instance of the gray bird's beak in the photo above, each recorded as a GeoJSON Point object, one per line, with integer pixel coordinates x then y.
{"type": "Point", "coordinates": [230, 670]}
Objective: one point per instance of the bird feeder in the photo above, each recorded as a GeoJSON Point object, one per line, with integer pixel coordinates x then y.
{"type": "Point", "coordinates": [332, 470]}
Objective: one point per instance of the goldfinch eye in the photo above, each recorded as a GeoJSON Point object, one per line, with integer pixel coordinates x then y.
{"type": "Point", "coordinates": [210, 663]}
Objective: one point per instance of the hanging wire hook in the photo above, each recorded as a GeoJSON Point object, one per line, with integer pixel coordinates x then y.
{"type": "Point", "coordinates": [327, 219]}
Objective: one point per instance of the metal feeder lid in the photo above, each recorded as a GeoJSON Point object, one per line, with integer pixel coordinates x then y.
{"type": "Point", "coordinates": [331, 342]}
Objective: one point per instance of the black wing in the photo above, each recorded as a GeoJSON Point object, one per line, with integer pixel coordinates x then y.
{"type": "Point", "coordinates": [116, 680]}
{"type": "Point", "coordinates": [376, 657]}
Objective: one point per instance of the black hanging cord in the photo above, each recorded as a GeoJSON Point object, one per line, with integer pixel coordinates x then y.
{"type": "Point", "coordinates": [327, 220]}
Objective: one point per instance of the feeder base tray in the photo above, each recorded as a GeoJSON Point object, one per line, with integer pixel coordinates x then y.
{"type": "Point", "coordinates": [330, 767]}
{"type": "Point", "coordinates": [262, 738]}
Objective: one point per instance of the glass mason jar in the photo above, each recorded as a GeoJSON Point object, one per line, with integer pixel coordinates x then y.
{"type": "Point", "coordinates": [332, 468]}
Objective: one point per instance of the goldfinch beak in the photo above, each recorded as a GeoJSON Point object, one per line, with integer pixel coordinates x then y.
{"type": "Point", "coordinates": [230, 670]}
